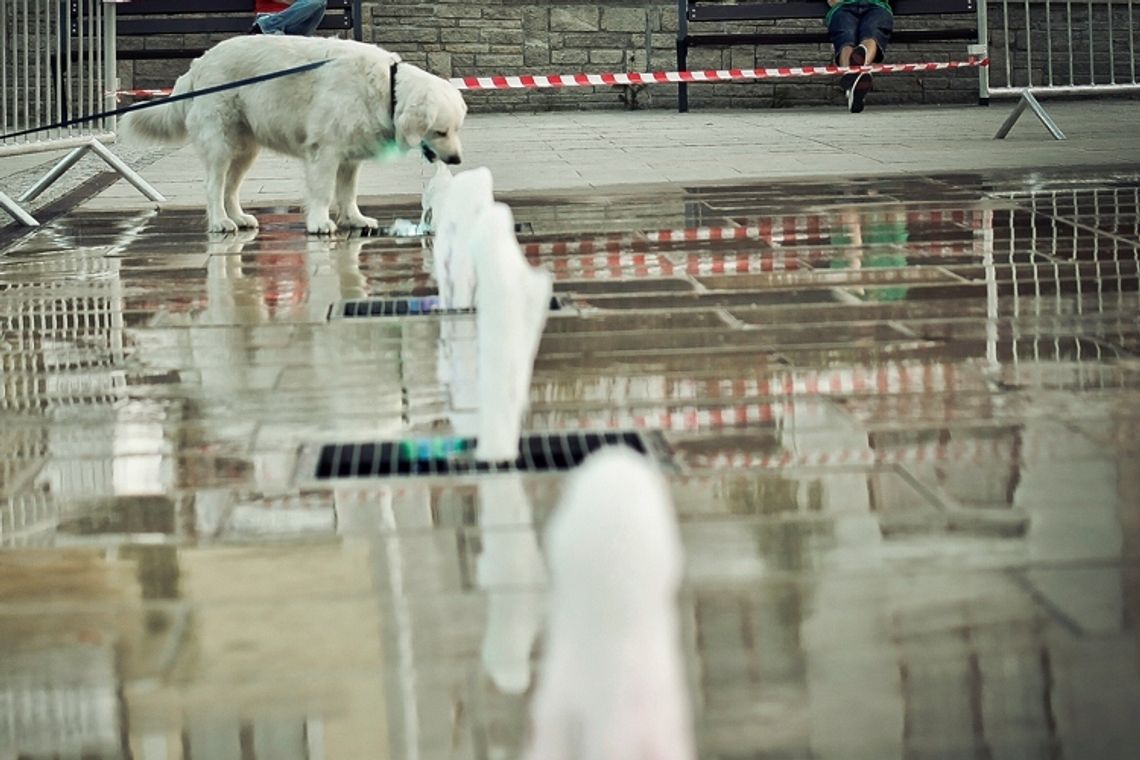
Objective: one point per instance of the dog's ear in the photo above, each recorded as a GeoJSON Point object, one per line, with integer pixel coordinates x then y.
{"type": "Point", "coordinates": [414, 119]}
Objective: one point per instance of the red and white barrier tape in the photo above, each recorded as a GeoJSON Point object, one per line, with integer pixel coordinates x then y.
{"type": "Point", "coordinates": [613, 79]}
{"type": "Point", "coordinates": [526, 81]}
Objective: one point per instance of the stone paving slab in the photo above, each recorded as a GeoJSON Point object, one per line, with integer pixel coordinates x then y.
{"type": "Point", "coordinates": [553, 151]}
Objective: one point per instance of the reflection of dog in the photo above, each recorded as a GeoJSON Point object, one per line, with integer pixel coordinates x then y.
{"type": "Point", "coordinates": [612, 685]}
{"type": "Point", "coordinates": [334, 117]}
{"type": "Point", "coordinates": [511, 571]}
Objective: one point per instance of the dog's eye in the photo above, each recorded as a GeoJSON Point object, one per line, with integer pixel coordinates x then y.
{"type": "Point", "coordinates": [440, 133]}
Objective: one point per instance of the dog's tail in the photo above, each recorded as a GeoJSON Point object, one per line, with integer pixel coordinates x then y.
{"type": "Point", "coordinates": [164, 123]}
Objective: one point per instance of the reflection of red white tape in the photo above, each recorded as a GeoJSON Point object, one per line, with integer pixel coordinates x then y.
{"type": "Point", "coordinates": [801, 229]}
{"type": "Point", "coordinates": [529, 82]}
{"type": "Point", "coordinates": [888, 378]}
{"type": "Point", "coordinates": [624, 264]}
{"type": "Point", "coordinates": [686, 419]}
{"type": "Point", "coordinates": [964, 451]}
{"type": "Point", "coordinates": [893, 380]}
{"type": "Point", "coordinates": [538, 81]}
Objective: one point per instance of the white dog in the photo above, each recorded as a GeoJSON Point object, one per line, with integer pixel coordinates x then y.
{"type": "Point", "coordinates": [333, 117]}
{"type": "Point", "coordinates": [612, 683]}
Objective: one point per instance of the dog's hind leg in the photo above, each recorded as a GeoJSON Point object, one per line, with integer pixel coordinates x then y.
{"type": "Point", "coordinates": [348, 213]}
{"type": "Point", "coordinates": [215, 146]}
{"type": "Point", "coordinates": [320, 183]}
{"type": "Point", "coordinates": [217, 166]}
{"type": "Point", "coordinates": [239, 167]}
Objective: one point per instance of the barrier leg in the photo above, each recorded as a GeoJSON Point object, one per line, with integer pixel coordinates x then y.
{"type": "Point", "coordinates": [18, 213]}
{"type": "Point", "coordinates": [126, 172]}
{"type": "Point", "coordinates": [56, 172]}
{"type": "Point", "coordinates": [101, 150]}
{"type": "Point", "coordinates": [1028, 101]}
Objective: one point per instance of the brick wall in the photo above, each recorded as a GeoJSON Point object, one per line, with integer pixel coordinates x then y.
{"type": "Point", "coordinates": [460, 38]}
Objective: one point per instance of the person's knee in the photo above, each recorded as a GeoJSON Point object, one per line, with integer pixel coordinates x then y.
{"type": "Point", "coordinates": [842, 29]}
{"type": "Point", "coordinates": [880, 20]}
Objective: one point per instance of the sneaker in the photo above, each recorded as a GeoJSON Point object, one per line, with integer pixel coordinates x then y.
{"type": "Point", "coordinates": [859, 56]}
{"type": "Point", "coordinates": [858, 90]}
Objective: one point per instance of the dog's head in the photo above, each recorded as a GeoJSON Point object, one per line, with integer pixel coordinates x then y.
{"type": "Point", "coordinates": [429, 114]}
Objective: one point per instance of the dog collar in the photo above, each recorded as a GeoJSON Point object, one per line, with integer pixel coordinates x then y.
{"type": "Point", "coordinates": [392, 91]}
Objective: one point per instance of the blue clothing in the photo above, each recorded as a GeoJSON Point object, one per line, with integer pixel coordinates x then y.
{"type": "Point", "coordinates": [301, 18]}
{"type": "Point", "coordinates": [853, 22]}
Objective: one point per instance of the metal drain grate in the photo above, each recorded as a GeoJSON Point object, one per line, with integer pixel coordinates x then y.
{"type": "Point", "coordinates": [412, 306]}
{"type": "Point", "coordinates": [414, 230]}
{"type": "Point", "coordinates": [455, 456]}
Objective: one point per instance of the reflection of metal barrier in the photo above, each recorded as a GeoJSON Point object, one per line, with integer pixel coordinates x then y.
{"type": "Point", "coordinates": [43, 714]}
{"type": "Point", "coordinates": [1057, 47]}
{"type": "Point", "coordinates": [1089, 291]}
{"type": "Point", "coordinates": [57, 64]}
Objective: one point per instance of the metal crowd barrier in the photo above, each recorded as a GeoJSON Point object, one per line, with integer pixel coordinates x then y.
{"type": "Point", "coordinates": [1057, 47]}
{"type": "Point", "coordinates": [58, 64]}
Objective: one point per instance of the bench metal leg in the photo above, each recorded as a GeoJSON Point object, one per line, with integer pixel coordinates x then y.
{"type": "Point", "coordinates": [682, 88]}
{"type": "Point", "coordinates": [1028, 101]}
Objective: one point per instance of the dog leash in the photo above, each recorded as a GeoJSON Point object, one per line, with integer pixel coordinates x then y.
{"type": "Point", "coordinates": [392, 91]}
{"type": "Point", "coordinates": [172, 98]}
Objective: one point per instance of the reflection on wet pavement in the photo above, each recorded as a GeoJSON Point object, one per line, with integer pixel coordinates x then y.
{"type": "Point", "coordinates": [903, 423]}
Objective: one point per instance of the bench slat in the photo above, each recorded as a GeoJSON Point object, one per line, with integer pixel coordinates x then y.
{"type": "Point", "coordinates": [184, 8]}
{"type": "Point", "coordinates": [816, 9]}
{"type": "Point", "coordinates": [137, 27]}
{"type": "Point", "coordinates": [776, 38]}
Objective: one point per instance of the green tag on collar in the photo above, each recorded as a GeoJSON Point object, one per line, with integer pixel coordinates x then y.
{"type": "Point", "coordinates": [389, 151]}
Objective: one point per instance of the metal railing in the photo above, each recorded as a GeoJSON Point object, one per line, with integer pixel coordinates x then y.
{"type": "Point", "coordinates": [1059, 46]}
{"type": "Point", "coordinates": [57, 67]}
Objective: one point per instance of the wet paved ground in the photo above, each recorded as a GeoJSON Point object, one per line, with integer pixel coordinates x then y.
{"type": "Point", "coordinates": [902, 421]}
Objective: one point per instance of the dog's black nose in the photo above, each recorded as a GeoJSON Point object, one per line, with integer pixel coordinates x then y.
{"type": "Point", "coordinates": [454, 160]}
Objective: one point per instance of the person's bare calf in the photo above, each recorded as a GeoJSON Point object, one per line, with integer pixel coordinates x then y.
{"type": "Point", "coordinates": [846, 51]}
{"type": "Point", "coordinates": [872, 49]}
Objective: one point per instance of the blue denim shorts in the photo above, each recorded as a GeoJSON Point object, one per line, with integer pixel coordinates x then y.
{"type": "Point", "coordinates": [852, 23]}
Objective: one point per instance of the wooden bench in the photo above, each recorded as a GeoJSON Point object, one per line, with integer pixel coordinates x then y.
{"type": "Point", "coordinates": [690, 12]}
{"type": "Point", "coordinates": [193, 19]}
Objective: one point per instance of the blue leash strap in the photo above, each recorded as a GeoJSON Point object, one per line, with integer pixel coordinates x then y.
{"type": "Point", "coordinates": [171, 99]}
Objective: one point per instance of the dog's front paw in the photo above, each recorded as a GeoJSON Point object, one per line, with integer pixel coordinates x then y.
{"type": "Point", "coordinates": [324, 226]}
{"type": "Point", "coordinates": [222, 225]}
{"type": "Point", "coordinates": [246, 221]}
{"type": "Point", "coordinates": [360, 221]}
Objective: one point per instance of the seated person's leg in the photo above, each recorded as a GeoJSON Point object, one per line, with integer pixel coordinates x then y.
{"type": "Point", "coordinates": [874, 32]}
{"type": "Point", "coordinates": [843, 28]}
{"type": "Point", "coordinates": [301, 18]}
